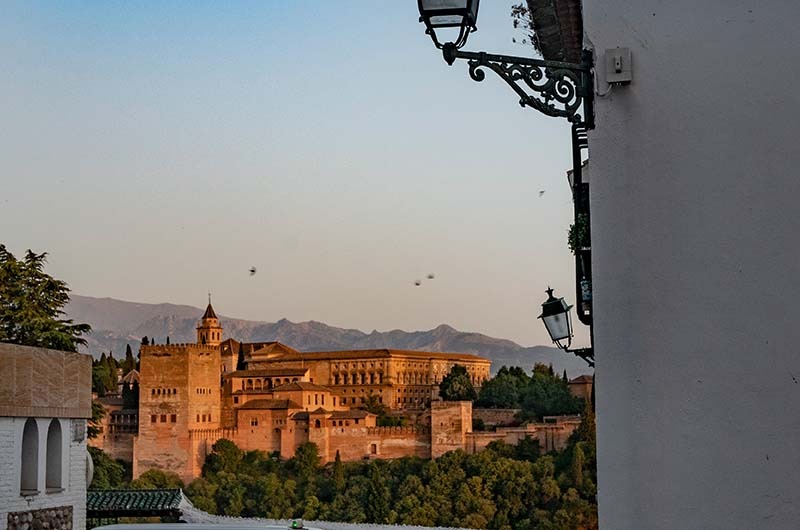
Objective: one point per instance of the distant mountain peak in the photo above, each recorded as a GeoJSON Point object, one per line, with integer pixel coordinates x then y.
{"type": "Point", "coordinates": [117, 323]}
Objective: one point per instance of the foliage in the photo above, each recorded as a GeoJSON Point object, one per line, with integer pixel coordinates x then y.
{"type": "Point", "coordinates": [31, 305]}
{"type": "Point", "coordinates": [93, 426]}
{"type": "Point", "coordinates": [108, 473]}
{"type": "Point", "coordinates": [104, 374]}
{"type": "Point", "coordinates": [503, 487]}
{"type": "Point", "coordinates": [157, 479]}
{"type": "Point", "coordinates": [540, 394]}
{"type": "Point", "coordinates": [578, 236]}
{"type": "Point", "coordinates": [457, 385]}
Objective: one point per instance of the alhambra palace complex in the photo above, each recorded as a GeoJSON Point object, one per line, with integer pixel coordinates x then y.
{"type": "Point", "coordinates": [191, 395]}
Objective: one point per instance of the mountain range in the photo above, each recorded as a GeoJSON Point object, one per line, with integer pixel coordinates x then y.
{"type": "Point", "coordinates": [117, 323]}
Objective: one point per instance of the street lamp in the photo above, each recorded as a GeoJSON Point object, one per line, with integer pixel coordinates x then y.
{"type": "Point", "coordinates": [556, 88]}
{"type": "Point", "coordinates": [556, 318]}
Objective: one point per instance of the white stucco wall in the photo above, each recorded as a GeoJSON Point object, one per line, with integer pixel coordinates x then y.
{"type": "Point", "coordinates": [73, 470]}
{"type": "Point", "coordinates": [695, 228]}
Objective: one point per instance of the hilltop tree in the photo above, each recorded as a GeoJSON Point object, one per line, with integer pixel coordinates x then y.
{"type": "Point", "coordinates": [240, 364]}
{"type": "Point", "coordinates": [31, 305]}
{"type": "Point", "coordinates": [457, 385]}
{"type": "Point", "coordinates": [130, 362]}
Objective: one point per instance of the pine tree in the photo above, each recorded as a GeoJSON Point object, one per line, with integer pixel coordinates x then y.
{"type": "Point", "coordinates": [145, 341]}
{"type": "Point", "coordinates": [167, 340]}
{"type": "Point", "coordinates": [576, 468]}
{"type": "Point", "coordinates": [339, 481]}
{"type": "Point", "coordinates": [129, 363]}
{"type": "Point", "coordinates": [31, 305]}
{"type": "Point", "coordinates": [240, 363]}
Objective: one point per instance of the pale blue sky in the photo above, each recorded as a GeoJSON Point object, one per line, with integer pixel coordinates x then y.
{"type": "Point", "coordinates": [159, 149]}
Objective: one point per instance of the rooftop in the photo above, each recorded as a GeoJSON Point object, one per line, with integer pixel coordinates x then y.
{"type": "Point", "coordinates": [270, 404]}
{"type": "Point", "coordinates": [381, 353]}
{"type": "Point", "coordinates": [133, 503]}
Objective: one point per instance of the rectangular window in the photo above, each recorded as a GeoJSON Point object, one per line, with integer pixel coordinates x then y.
{"type": "Point", "coordinates": [198, 418]}
{"type": "Point", "coordinates": [153, 418]}
{"type": "Point", "coordinates": [235, 399]}
{"type": "Point", "coordinates": [204, 417]}
{"type": "Point", "coordinates": [173, 418]}
{"type": "Point", "coordinates": [163, 418]}
{"type": "Point", "coordinates": [254, 422]}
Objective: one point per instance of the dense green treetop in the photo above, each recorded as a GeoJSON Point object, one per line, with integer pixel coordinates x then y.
{"type": "Point", "coordinates": [31, 305]}
{"type": "Point", "coordinates": [457, 385]}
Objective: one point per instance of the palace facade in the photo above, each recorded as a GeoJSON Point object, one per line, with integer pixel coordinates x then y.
{"type": "Point", "coordinates": [268, 396]}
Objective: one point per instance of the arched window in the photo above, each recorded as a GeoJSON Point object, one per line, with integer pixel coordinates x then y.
{"type": "Point", "coordinates": [30, 458]}
{"type": "Point", "coordinates": [317, 424]}
{"type": "Point", "coordinates": [53, 469]}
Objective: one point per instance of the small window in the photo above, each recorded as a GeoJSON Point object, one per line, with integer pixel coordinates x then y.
{"type": "Point", "coordinates": [317, 424]}
{"type": "Point", "coordinates": [153, 418]}
{"type": "Point", "coordinates": [235, 399]}
{"type": "Point", "coordinates": [163, 418]}
{"type": "Point", "coordinates": [373, 449]}
{"type": "Point", "coordinates": [204, 418]}
{"type": "Point", "coordinates": [198, 418]}
{"type": "Point", "coordinates": [173, 418]}
{"type": "Point", "coordinates": [53, 464]}
{"type": "Point", "coordinates": [30, 458]}
{"type": "Point", "coordinates": [253, 422]}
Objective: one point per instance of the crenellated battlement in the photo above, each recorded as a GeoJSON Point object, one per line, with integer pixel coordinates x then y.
{"type": "Point", "coordinates": [214, 434]}
{"type": "Point", "coordinates": [176, 349]}
{"type": "Point", "coordinates": [412, 429]}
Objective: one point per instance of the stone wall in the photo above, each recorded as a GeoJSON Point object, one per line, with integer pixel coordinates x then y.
{"type": "Point", "coordinates": [57, 518]}
{"type": "Point", "coordinates": [552, 435]}
{"type": "Point", "coordinates": [450, 423]}
{"type": "Point", "coordinates": [179, 392]}
{"type": "Point", "coordinates": [495, 417]}
{"type": "Point", "coordinates": [357, 442]}
{"type": "Point", "coordinates": [37, 382]}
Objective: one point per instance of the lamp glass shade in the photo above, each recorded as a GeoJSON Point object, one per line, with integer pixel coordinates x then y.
{"type": "Point", "coordinates": [458, 14]}
{"type": "Point", "coordinates": [555, 315]}
{"type": "Point", "coordinates": [448, 13]}
{"type": "Point", "coordinates": [558, 326]}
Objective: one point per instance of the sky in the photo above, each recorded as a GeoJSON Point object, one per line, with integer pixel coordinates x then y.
{"type": "Point", "coordinates": [158, 150]}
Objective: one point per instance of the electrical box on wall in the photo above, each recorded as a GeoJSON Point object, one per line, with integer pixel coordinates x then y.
{"type": "Point", "coordinates": [619, 69]}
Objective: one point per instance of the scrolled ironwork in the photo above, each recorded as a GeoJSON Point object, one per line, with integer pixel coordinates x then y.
{"type": "Point", "coordinates": [555, 92]}
{"type": "Point", "coordinates": [553, 88]}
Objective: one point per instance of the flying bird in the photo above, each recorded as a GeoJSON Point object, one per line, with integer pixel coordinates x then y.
{"type": "Point", "coordinates": [252, 271]}
{"type": "Point", "coordinates": [431, 276]}
{"type": "Point", "coordinates": [418, 283]}
{"type": "Point", "coordinates": [541, 192]}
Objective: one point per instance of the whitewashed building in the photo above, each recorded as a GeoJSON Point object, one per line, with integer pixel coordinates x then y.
{"type": "Point", "coordinates": [696, 263]}
{"type": "Point", "coordinates": [45, 401]}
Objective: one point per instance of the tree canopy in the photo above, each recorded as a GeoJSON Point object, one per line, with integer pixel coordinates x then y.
{"type": "Point", "coordinates": [31, 305]}
{"type": "Point", "coordinates": [457, 385]}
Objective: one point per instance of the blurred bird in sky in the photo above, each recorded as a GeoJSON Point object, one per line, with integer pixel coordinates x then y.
{"type": "Point", "coordinates": [252, 271]}
{"type": "Point", "coordinates": [418, 283]}
{"type": "Point", "coordinates": [541, 192]}
{"type": "Point", "coordinates": [431, 276]}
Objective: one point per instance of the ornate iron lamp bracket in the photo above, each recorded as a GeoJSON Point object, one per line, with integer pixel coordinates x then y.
{"type": "Point", "coordinates": [554, 88]}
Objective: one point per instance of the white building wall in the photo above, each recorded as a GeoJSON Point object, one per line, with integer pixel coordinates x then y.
{"type": "Point", "coordinates": [73, 470]}
{"type": "Point", "coordinates": [695, 228]}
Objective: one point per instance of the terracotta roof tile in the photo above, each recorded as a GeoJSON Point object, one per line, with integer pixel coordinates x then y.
{"type": "Point", "coordinates": [300, 385]}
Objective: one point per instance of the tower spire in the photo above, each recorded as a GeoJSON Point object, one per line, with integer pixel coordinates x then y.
{"type": "Point", "coordinates": [209, 332]}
